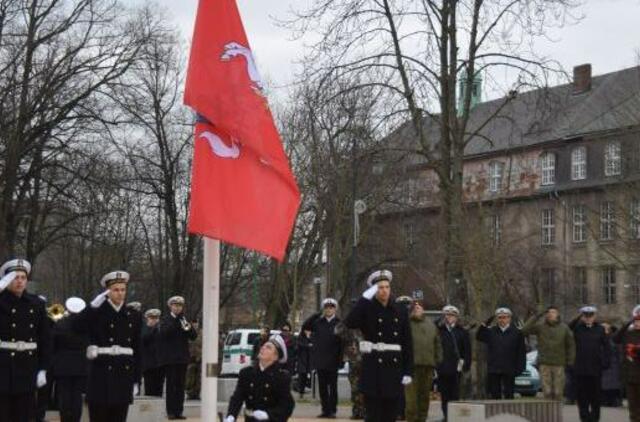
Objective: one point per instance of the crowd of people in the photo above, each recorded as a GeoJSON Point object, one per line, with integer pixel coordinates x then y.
{"type": "Point", "coordinates": [106, 352]}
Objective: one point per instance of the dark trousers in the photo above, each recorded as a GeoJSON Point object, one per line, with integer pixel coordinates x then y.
{"type": "Point", "coordinates": [588, 397]}
{"type": "Point", "coordinates": [633, 395]}
{"type": "Point", "coordinates": [16, 407]}
{"type": "Point", "coordinates": [379, 409]}
{"type": "Point", "coordinates": [500, 386]}
{"type": "Point", "coordinates": [153, 382]}
{"type": "Point", "coordinates": [108, 412]}
{"type": "Point", "coordinates": [328, 386]}
{"type": "Point", "coordinates": [449, 387]}
{"type": "Point", "coordinates": [175, 375]}
{"type": "Point", "coordinates": [69, 391]}
{"type": "Point", "coordinates": [43, 395]}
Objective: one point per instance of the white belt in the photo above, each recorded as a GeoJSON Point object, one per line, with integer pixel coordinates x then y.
{"type": "Point", "coordinates": [368, 347]}
{"type": "Point", "coordinates": [18, 346]}
{"type": "Point", "coordinates": [114, 350]}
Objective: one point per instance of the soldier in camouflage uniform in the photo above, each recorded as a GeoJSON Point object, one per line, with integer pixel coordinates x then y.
{"type": "Point", "coordinates": [192, 383]}
{"type": "Point", "coordinates": [355, 368]}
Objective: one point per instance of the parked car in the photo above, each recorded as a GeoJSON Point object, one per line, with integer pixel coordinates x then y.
{"type": "Point", "coordinates": [237, 349]}
{"type": "Point", "coordinates": [528, 383]}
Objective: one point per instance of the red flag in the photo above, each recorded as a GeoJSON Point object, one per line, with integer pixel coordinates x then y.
{"type": "Point", "coordinates": [243, 191]}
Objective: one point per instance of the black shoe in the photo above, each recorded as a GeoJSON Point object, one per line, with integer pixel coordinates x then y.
{"type": "Point", "coordinates": [323, 416]}
{"type": "Point", "coordinates": [331, 416]}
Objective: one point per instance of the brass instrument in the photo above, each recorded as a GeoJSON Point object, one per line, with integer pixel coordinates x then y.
{"type": "Point", "coordinates": [185, 324]}
{"type": "Point", "coordinates": [56, 312]}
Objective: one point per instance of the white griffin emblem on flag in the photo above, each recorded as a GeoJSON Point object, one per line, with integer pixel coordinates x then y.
{"type": "Point", "coordinates": [218, 146]}
{"type": "Point", "coordinates": [234, 49]}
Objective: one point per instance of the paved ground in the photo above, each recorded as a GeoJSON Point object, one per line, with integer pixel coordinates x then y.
{"type": "Point", "coordinates": [308, 411]}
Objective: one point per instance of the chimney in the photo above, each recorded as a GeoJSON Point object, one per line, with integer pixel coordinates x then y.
{"type": "Point", "coordinates": [581, 78]}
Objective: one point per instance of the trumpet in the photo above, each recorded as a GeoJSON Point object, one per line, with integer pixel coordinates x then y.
{"type": "Point", "coordinates": [56, 312]}
{"type": "Point", "coordinates": [185, 324]}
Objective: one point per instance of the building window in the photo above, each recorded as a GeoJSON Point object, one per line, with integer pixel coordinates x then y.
{"type": "Point", "coordinates": [548, 164]}
{"type": "Point", "coordinates": [634, 219]}
{"type": "Point", "coordinates": [580, 284]}
{"type": "Point", "coordinates": [579, 216]}
{"type": "Point", "coordinates": [634, 283]}
{"type": "Point", "coordinates": [579, 163]}
{"type": "Point", "coordinates": [609, 285]}
{"type": "Point", "coordinates": [495, 228]}
{"type": "Point", "coordinates": [548, 227]}
{"type": "Point", "coordinates": [409, 237]}
{"type": "Point", "coordinates": [607, 221]}
{"type": "Point", "coordinates": [612, 159]}
{"type": "Point", "coordinates": [495, 176]}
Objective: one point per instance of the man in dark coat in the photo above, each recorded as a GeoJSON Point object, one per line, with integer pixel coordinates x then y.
{"type": "Point", "coordinates": [69, 362]}
{"type": "Point", "coordinates": [456, 348]}
{"type": "Point", "coordinates": [25, 342]}
{"type": "Point", "coordinates": [114, 350]}
{"type": "Point", "coordinates": [592, 357]}
{"type": "Point", "coordinates": [303, 364]}
{"type": "Point", "coordinates": [326, 354]}
{"type": "Point", "coordinates": [506, 354]}
{"type": "Point", "coordinates": [174, 334]}
{"type": "Point", "coordinates": [265, 387]}
{"type": "Point", "coordinates": [265, 332]}
{"type": "Point", "coordinates": [152, 371]}
{"type": "Point", "coordinates": [387, 349]}
{"type": "Point", "coordinates": [628, 337]}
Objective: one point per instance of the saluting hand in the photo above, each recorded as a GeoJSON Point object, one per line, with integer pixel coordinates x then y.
{"type": "Point", "coordinates": [7, 279]}
{"type": "Point", "coordinates": [99, 300]}
{"type": "Point", "coordinates": [370, 292]}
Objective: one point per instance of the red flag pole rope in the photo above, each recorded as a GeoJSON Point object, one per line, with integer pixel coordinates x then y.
{"type": "Point", "coordinates": [210, 336]}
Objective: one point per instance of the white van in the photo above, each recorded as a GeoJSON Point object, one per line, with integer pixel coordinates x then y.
{"type": "Point", "coordinates": [238, 346]}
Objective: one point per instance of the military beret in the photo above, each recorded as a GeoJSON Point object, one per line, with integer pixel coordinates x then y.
{"type": "Point", "coordinates": [379, 275]}
{"type": "Point", "coordinates": [15, 265]}
{"type": "Point", "coordinates": [175, 300]}
{"type": "Point", "coordinates": [114, 278]}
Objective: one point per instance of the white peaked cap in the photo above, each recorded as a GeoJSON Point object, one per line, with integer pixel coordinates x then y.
{"type": "Point", "coordinates": [75, 305]}
{"type": "Point", "coordinates": [153, 313]}
{"type": "Point", "coordinates": [329, 301]}
{"type": "Point", "coordinates": [175, 299]}
{"type": "Point", "coordinates": [450, 309]}
{"type": "Point", "coordinates": [636, 310]}
{"type": "Point", "coordinates": [588, 309]}
{"type": "Point", "coordinates": [110, 278]}
{"type": "Point", "coordinates": [379, 276]}
{"type": "Point", "coordinates": [15, 264]}
{"type": "Point", "coordinates": [503, 311]}
{"type": "Point", "coordinates": [278, 341]}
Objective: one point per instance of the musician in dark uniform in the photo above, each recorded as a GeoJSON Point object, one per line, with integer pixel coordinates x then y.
{"type": "Point", "coordinates": [387, 350]}
{"type": "Point", "coordinates": [174, 335]}
{"type": "Point", "coordinates": [265, 387]}
{"type": "Point", "coordinates": [114, 350]}
{"type": "Point", "coordinates": [25, 343]}
{"type": "Point", "coordinates": [69, 362]}
{"type": "Point", "coordinates": [152, 371]}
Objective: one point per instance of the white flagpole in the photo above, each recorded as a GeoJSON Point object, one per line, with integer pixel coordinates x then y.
{"type": "Point", "coordinates": [210, 336]}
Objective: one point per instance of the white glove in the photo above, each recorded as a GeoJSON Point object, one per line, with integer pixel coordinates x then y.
{"type": "Point", "coordinates": [366, 347]}
{"type": "Point", "coordinates": [7, 279]}
{"type": "Point", "coordinates": [92, 352]}
{"type": "Point", "coordinates": [260, 415]}
{"type": "Point", "coordinates": [435, 374]}
{"type": "Point", "coordinates": [406, 380]}
{"type": "Point", "coordinates": [99, 300]}
{"type": "Point", "coordinates": [42, 378]}
{"type": "Point", "coordinates": [370, 292]}
{"type": "Point", "coordinates": [460, 364]}
{"type": "Point", "coordinates": [136, 389]}
{"type": "Point", "coordinates": [229, 418]}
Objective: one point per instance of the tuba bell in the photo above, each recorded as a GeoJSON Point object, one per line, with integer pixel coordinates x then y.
{"type": "Point", "coordinates": [56, 312]}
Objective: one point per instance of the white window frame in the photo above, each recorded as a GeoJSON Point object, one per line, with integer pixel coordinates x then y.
{"type": "Point", "coordinates": [495, 176]}
{"type": "Point", "coordinates": [579, 163]}
{"type": "Point", "coordinates": [613, 159]}
{"type": "Point", "coordinates": [579, 223]}
{"type": "Point", "coordinates": [548, 167]}
{"type": "Point", "coordinates": [634, 219]}
{"type": "Point", "coordinates": [581, 284]}
{"type": "Point", "coordinates": [548, 227]}
{"type": "Point", "coordinates": [607, 220]}
{"type": "Point", "coordinates": [609, 285]}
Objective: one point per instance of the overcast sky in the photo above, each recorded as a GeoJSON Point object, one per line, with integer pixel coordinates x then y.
{"type": "Point", "coordinates": [608, 37]}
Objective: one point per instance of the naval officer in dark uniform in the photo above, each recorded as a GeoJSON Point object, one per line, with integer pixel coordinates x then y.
{"type": "Point", "coordinates": [387, 350]}
{"type": "Point", "coordinates": [152, 371]}
{"type": "Point", "coordinates": [114, 351]}
{"type": "Point", "coordinates": [24, 343]}
{"type": "Point", "coordinates": [265, 387]}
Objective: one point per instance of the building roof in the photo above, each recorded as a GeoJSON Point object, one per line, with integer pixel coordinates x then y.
{"type": "Point", "coordinates": [551, 114]}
